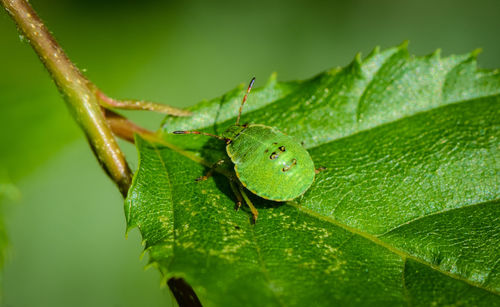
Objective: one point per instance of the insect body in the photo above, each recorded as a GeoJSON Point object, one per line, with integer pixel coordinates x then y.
{"type": "Point", "coordinates": [266, 161]}
{"type": "Point", "coordinates": [269, 163]}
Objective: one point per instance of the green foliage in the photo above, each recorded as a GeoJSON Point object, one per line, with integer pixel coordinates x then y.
{"type": "Point", "coordinates": [7, 191]}
{"type": "Point", "coordinates": [406, 213]}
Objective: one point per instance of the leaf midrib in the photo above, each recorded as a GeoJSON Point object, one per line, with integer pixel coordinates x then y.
{"type": "Point", "coordinates": [374, 239]}
{"type": "Point", "coordinates": [446, 210]}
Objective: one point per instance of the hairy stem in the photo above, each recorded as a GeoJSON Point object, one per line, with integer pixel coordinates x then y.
{"type": "Point", "coordinates": [76, 90]}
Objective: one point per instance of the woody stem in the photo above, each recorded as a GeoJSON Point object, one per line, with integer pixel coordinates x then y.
{"type": "Point", "coordinates": [76, 90]}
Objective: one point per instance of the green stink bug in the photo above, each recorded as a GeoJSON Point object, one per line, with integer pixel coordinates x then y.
{"type": "Point", "coordinates": [267, 162]}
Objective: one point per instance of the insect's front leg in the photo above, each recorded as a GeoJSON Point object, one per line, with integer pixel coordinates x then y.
{"type": "Point", "coordinates": [210, 172]}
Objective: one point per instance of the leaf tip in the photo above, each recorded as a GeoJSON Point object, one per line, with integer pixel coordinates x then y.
{"type": "Point", "coordinates": [474, 54]}
{"type": "Point", "coordinates": [163, 281]}
{"type": "Point", "coordinates": [144, 251]}
{"type": "Point", "coordinates": [273, 78]}
{"type": "Point", "coordinates": [436, 53]}
{"type": "Point", "coordinates": [334, 70]}
{"type": "Point", "coordinates": [357, 58]}
{"type": "Point", "coordinates": [241, 87]}
{"type": "Point", "coordinates": [130, 225]}
{"type": "Point", "coordinates": [151, 264]}
{"type": "Point", "coordinates": [374, 51]}
{"type": "Point", "coordinates": [404, 45]}
{"type": "Point", "coordinates": [357, 62]}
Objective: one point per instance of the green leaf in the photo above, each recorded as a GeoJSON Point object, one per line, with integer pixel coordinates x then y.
{"type": "Point", "coordinates": [406, 213]}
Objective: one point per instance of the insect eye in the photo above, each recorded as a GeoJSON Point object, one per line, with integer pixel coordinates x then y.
{"type": "Point", "coordinates": [273, 156]}
{"type": "Point", "coordinates": [282, 148]}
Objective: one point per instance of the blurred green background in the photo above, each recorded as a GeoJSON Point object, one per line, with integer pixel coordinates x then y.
{"type": "Point", "coordinates": [63, 216]}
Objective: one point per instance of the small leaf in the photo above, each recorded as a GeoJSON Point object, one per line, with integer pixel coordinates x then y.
{"type": "Point", "coordinates": [406, 213]}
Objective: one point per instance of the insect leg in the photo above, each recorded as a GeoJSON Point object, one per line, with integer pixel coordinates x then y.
{"type": "Point", "coordinates": [210, 172]}
{"type": "Point", "coordinates": [236, 192]}
{"type": "Point", "coordinates": [255, 213]}
{"type": "Point", "coordinates": [319, 169]}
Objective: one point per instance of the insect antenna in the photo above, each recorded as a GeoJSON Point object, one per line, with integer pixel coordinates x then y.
{"type": "Point", "coordinates": [245, 99]}
{"type": "Point", "coordinates": [199, 132]}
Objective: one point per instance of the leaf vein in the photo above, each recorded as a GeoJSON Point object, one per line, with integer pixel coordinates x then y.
{"type": "Point", "coordinates": [263, 267]}
{"type": "Point", "coordinates": [487, 279]}
{"type": "Point", "coordinates": [433, 214]}
{"type": "Point", "coordinates": [406, 294]}
{"type": "Point", "coordinates": [157, 152]}
{"type": "Point", "coordinates": [403, 254]}
{"type": "Point", "coordinates": [361, 99]}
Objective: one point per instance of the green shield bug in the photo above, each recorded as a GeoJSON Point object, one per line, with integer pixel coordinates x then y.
{"type": "Point", "coordinates": [267, 162]}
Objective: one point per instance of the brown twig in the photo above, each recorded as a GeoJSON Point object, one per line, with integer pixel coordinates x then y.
{"type": "Point", "coordinates": [76, 90]}
{"type": "Point", "coordinates": [86, 104]}
{"type": "Point", "coordinates": [124, 128]}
